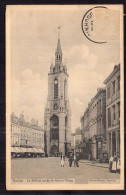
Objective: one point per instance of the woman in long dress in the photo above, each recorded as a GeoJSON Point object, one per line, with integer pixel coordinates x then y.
{"type": "Point", "coordinates": [62, 161]}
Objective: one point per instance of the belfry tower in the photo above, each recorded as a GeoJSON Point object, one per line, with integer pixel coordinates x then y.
{"type": "Point", "coordinates": [57, 115]}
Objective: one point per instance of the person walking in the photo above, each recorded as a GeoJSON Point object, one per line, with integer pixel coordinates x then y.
{"type": "Point", "coordinates": [62, 161]}
{"type": "Point", "coordinates": [70, 160]}
{"type": "Point", "coordinates": [77, 160]}
{"type": "Point", "coordinates": [110, 163]}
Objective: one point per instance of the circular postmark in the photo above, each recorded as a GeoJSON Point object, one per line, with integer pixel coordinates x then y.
{"type": "Point", "coordinates": [93, 24]}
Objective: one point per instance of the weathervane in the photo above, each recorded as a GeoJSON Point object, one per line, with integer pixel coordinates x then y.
{"type": "Point", "coordinates": [59, 27]}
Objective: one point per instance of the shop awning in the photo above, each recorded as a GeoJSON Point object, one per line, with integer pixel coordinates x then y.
{"type": "Point", "coordinates": [38, 150]}
{"type": "Point", "coordinates": [30, 150]}
{"type": "Point", "coordinates": [41, 150]}
{"type": "Point", "coordinates": [13, 149]}
{"type": "Point", "coordinates": [24, 149]}
{"type": "Point", "coordinates": [16, 149]}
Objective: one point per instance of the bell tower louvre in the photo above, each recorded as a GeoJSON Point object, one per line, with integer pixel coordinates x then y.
{"type": "Point", "coordinates": [57, 116]}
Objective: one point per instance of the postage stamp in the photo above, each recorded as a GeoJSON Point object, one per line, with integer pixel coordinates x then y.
{"type": "Point", "coordinates": [64, 97]}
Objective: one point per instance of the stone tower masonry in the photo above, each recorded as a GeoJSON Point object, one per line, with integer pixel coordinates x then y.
{"type": "Point", "coordinates": [57, 115]}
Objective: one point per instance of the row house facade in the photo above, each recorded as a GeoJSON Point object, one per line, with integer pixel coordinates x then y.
{"type": "Point", "coordinates": [93, 125]}
{"type": "Point", "coordinates": [25, 134]}
{"type": "Point", "coordinates": [112, 83]}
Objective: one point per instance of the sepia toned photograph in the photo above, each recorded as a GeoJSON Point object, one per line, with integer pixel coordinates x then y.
{"type": "Point", "coordinates": [64, 97]}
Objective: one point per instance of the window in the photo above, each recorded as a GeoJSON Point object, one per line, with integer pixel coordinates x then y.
{"type": "Point", "coordinates": [65, 89]}
{"type": "Point", "coordinates": [55, 121]}
{"type": "Point", "coordinates": [109, 117]}
{"type": "Point", "coordinates": [118, 104]}
{"type": "Point", "coordinates": [100, 106]}
{"type": "Point", "coordinates": [113, 86]}
{"type": "Point", "coordinates": [118, 82]}
{"type": "Point", "coordinates": [114, 116]}
{"type": "Point", "coordinates": [108, 92]}
{"type": "Point", "coordinates": [55, 89]}
{"type": "Point", "coordinates": [99, 126]}
{"type": "Point", "coordinates": [55, 107]}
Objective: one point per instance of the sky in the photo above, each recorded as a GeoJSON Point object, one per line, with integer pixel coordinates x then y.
{"type": "Point", "coordinates": [33, 41]}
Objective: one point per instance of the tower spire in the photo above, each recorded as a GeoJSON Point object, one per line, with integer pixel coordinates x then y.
{"type": "Point", "coordinates": [58, 50]}
{"type": "Point", "coordinates": [58, 53]}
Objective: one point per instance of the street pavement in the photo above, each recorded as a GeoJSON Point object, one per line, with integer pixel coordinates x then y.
{"type": "Point", "coordinates": [95, 164]}
{"type": "Point", "coordinates": [50, 168]}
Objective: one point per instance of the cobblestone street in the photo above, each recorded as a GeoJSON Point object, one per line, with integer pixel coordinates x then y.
{"type": "Point", "coordinates": [49, 168]}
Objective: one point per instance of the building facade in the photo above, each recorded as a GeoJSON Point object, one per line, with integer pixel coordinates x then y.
{"type": "Point", "coordinates": [113, 111]}
{"type": "Point", "coordinates": [72, 140]}
{"type": "Point", "coordinates": [57, 115]}
{"type": "Point", "coordinates": [25, 136]}
{"type": "Point", "coordinates": [78, 136]}
{"type": "Point", "coordinates": [93, 125]}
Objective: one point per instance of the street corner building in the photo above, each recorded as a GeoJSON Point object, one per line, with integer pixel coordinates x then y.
{"type": "Point", "coordinates": [113, 111]}
{"type": "Point", "coordinates": [27, 138]}
{"type": "Point", "coordinates": [57, 116]}
{"type": "Point", "coordinates": [93, 125]}
{"type": "Point", "coordinates": [100, 123]}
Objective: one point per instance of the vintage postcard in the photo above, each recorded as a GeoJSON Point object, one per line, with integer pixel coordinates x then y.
{"type": "Point", "coordinates": [64, 97]}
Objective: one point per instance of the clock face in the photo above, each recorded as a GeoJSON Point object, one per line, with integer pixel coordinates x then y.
{"type": "Point", "coordinates": [55, 81]}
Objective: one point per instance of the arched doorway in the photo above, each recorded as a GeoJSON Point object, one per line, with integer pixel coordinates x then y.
{"type": "Point", "coordinates": [54, 150]}
{"type": "Point", "coordinates": [54, 135]}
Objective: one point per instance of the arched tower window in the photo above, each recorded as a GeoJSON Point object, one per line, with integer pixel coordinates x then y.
{"type": "Point", "coordinates": [55, 89]}
{"type": "Point", "coordinates": [55, 107]}
{"type": "Point", "coordinates": [65, 83]}
{"type": "Point", "coordinates": [54, 128]}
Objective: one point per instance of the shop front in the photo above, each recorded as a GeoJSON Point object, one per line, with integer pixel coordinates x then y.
{"type": "Point", "coordinates": [114, 142]}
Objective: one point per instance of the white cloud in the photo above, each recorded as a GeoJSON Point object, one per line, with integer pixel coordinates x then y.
{"type": "Point", "coordinates": [29, 95]}
{"type": "Point", "coordinates": [84, 81]}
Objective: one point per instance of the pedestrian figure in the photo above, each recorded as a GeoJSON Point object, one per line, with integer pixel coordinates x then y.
{"type": "Point", "coordinates": [70, 161]}
{"type": "Point", "coordinates": [62, 161]}
{"type": "Point", "coordinates": [61, 155]}
{"type": "Point", "coordinates": [114, 164]}
{"type": "Point", "coordinates": [110, 163]}
{"type": "Point", "coordinates": [75, 160]}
